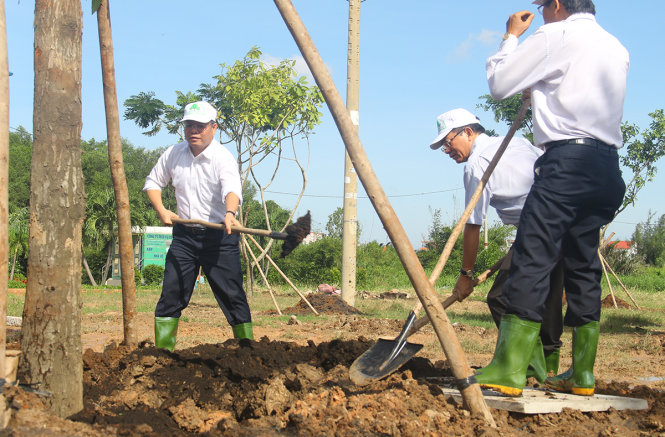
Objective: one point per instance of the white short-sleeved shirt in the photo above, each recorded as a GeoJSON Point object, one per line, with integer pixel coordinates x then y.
{"type": "Point", "coordinates": [510, 182]}
{"type": "Point", "coordinates": [201, 183]}
{"type": "Point", "coordinates": [577, 74]}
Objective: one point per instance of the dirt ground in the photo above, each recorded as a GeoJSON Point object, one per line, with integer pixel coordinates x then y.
{"type": "Point", "coordinates": [294, 381]}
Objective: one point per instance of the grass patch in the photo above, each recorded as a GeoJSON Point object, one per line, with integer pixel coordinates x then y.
{"type": "Point", "coordinates": [15, 304]}
{"type": "Point", "coordinates": [471, 318]}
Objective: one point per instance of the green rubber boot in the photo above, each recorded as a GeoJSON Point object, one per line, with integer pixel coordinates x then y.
{"type": "Point", "coordinates": [514, 348]}
{"type": "Point", "coordinates": [243, 330]}
{"type": "Point", "coordinates": [166, 329]}
{"type": "Point", "coordinates": [552, 362]}
{"type": "Point", "coordinates": [579, 378]}
{"type": "Point", "coordinates": [537, 366]}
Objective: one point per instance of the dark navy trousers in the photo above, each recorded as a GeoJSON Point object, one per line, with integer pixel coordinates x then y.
{"type": "Point", "coordinates": [218, 254]}
{"type": "Point", "coordinates": [577, 189]}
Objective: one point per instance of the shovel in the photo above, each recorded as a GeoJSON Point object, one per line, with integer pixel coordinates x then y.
{"type": "Point", "coordinates": [293, 236]}
{"type": "Point", "coordinates": [401, 349]}
{"type": "Point", "coordinates": [373, 364]}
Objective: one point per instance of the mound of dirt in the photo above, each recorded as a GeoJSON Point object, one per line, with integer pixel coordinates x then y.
{"type": "Point", "coordinates": [609, 303]}
{"type": "Point", "coordinates": [323, 303]}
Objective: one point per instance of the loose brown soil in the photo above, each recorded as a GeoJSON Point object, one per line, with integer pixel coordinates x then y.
{"type": "Point", "coordinates": [294, 381]}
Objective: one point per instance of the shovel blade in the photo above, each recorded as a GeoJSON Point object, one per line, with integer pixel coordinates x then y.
{"type": "Point", "coordinates": [377, 363]}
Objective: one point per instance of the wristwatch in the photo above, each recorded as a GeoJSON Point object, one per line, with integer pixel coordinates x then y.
{"type": "Point", "coordinates": [231, 212]}
{"type": "Point", "coordinates": [467, 273]}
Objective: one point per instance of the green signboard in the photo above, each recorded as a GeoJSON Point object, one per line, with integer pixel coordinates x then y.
{"type": "Point", "coordinates": [155, 247]}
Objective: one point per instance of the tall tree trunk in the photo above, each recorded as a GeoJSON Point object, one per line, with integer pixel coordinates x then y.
{"type": "Point", "coordinates": [118, 175]}
{"type": "Point", "coordinates": [87, 268]}
{"type": "Point", "coordinates": [4, 190]}
{"type": "Point", "coordinates": [51, 331]}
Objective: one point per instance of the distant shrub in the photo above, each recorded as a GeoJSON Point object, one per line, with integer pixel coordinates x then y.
{"type": "Point", "coordinates": [312, 264]}
{"type": "Point", "coordinates": [649, 279]}
{"type": "Point", "coordinates": [153, 274]}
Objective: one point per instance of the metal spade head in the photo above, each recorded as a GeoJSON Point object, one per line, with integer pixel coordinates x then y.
{"type": "Point", "coordinates": [378, 361]}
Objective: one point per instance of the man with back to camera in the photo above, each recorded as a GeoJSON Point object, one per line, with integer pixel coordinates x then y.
{"type": "Point", "coordinates": [577, 75]}
{"type": "Point", "coordinates": [207, 187]}
{"type": "Point", "coordinates": [463, 139]}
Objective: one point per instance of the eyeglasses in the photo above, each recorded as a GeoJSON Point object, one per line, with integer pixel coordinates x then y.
{"type": "Point", "coordinates": [543, 6]}
{"type": "Point", "coordinates": [447, 144]}
{"type": "Point", "coordinates": [199, 127]}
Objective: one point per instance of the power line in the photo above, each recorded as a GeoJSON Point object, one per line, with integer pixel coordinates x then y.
{"type": "Point", "coordinates": [365, 197]}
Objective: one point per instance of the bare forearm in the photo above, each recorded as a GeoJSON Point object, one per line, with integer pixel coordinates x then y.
{"type": "Point", "coordinates": [155, 197]}
{"type": "Point", "coordinates": [470, 245]}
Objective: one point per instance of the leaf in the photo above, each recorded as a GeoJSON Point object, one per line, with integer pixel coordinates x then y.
{"type": "Point", "coordinates": [95, 5]}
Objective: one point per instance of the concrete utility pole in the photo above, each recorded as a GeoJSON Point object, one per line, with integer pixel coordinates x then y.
{"type": "Point", "coordinates": [350, 217]}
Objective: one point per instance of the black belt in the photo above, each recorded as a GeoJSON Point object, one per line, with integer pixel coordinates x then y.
{"type": "Point", "coordinates": [193, 230]}
{"type": "Point", "coordinates": [581, 141]}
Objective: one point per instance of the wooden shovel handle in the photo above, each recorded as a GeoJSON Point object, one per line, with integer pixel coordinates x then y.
{"type": "Point", "coordinates": [238, 229]}
{"type": "Point", "coordinates": [452, 298]}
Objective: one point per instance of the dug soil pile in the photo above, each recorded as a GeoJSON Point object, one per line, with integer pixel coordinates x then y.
{"type": "Point", "coordinates": [246, 388]}
{"type": "Point", "coordinates": [324, 304]}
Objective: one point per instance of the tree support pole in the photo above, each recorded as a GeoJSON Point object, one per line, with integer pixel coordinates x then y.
{"type": "Point", "coordinates": [118, 175]}
{"type": "Point", "coordinates": [263, 276]}
{"type": "Point", "coordinates": [607, 265]}
{"type": "Point", "coordinates": [472, 395]}
{"type": "Point", "coordinates": [284, 276]}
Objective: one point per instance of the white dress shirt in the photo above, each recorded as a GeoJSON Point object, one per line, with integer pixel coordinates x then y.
{"type": "Point", "coordinates": [201, 183]}
{"type": "Point", "coordinates": [510, 182]}
{"type": "Point", "coordinates": [577, 74]}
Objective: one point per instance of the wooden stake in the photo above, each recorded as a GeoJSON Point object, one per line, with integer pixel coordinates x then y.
{"type": "Point", "coordinates": [284, 276]}
{"type": "Point", "coordinates": [249, 249]}
{"type": "Point", "coordinates": [604, 261]}
{"type": "Point", "coordinates": [607, 278]}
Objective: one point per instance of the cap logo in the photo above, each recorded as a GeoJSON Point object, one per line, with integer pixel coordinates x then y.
{"type": "Point", "coordinates": [195, 107]}
{"type": "Point", "coordinates": [441, 125]}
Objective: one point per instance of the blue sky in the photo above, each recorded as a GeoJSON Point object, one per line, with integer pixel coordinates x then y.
{"type": "Point", "coordinates": [417, 60]}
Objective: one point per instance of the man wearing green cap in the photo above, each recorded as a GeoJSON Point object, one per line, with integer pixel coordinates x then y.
{"type": "Point", "coordinates": [576, 72]}
{"type": "Point", "coordinates": [207, 187]}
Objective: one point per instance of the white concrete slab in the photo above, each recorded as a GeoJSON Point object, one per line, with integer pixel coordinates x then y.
{"type": "Point", "coordinates": [540, 401]}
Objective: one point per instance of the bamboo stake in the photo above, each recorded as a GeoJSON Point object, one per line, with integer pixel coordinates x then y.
{"type": "Point", "coordinates": [609, 267]}
{"type": "Point", "coordinates": [607, 278]}
{"type": "Point", "coordinates": [472, 395]}
{"type": "Point", "coordinates": [118, 176]}
{"type": "Point", "coordinates": [263, 276]}
{"type": "Point", "coordinates": [284, 276]}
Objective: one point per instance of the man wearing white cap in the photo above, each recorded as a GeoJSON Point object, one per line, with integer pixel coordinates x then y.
{"type": "Point", "coordinates": [576, 72]}
{"type": "Point", "coordinates": [462, 137]}
{"type": "Point", "coordinates": [207, 187]}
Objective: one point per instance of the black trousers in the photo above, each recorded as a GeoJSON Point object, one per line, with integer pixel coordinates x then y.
{"type": "Point", "coordinates": [577, 190]}
{"type": "Point", "coordinates": [552, 325]}
{"type": "Point", "coordinates": [218, 254]}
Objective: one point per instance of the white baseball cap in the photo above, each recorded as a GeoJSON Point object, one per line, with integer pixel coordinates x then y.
{"type": "Point", "coordinates": [203, 112]}
{"type": "Point", "coordinates": [450, 120]}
